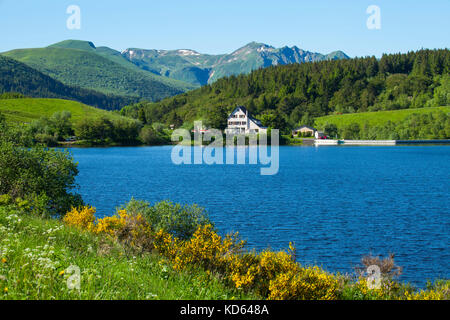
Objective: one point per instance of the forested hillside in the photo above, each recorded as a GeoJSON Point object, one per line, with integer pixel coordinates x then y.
{"type": "Point", "coordinates": [286, 96]}
{"type": "Point", "coordinates": [18, 77]}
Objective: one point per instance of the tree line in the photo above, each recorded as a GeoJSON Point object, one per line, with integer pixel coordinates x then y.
{"type": "Point", "coordinates": [59, 128]}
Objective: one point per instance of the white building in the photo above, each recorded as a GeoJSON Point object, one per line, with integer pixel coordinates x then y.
{"type": "Point", "coordinates": [241, 122]}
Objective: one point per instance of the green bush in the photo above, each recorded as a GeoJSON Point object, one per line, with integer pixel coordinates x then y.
{"type": "Point", "coordinates": [181, 221]}
{"type": "Point", "coordinates": [50, 130]}
{"type": "Point", "coordinates": [43, 178]}
{"type": "Point", "coordinates": [38, 173]}
{"type": "Point", "coordinates": [19, 135]}
{"type": "Point", "coordinates": [150, 136]}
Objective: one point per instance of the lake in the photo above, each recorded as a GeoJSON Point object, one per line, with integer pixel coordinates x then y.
{"type": "Point", "coordinates": [335, 203]}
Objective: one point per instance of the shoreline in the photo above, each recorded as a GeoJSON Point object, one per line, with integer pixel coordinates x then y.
{"type": "Point", "coordinates": [379, 142]}
{"type": "Point", "coordinates": [312, 143]}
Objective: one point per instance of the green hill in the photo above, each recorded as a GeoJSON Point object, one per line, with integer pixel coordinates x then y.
{"type": "Point", "coordinates": [79, 63]}
{"type": "Point", "coordinates": [74, 44]}
{"type": "Point", "coordinates": [374, 118]}
{"type": "Point", "coordinates": [287, 96]}
{"type": "Point", "coordinates": [16, 76]}
{"type": "Point", "coordinates": [29, 109]}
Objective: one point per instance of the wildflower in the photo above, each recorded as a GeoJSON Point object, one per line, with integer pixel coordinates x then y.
{"type": "Point", "coordinates": [61, 273]}
{"type": "Point", "coordinates": [82, 218]}
{"type": "Point", "coordinates": [4, 260]}
{"type": "Point", "coordinates": [5, 290]}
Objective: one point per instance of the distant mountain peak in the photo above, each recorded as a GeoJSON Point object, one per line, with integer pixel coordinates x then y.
{"type": "Point", "coordinates": [257, 45]}
{"type": "Point", "coordinates": [74, 44]}
{"type": "Point", "coordinates": [188, 52]}
{"type": "Point", "coordinates": [196, 68]}
{"type": "Point", "coordinates": [337, 55]}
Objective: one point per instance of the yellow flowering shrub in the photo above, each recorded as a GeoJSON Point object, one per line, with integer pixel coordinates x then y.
{"type": "Point", "coordinates": [132, 230]}
{"type": "Point", "coordinates": [167, 245]}
{"type": "Point", "coordinates": [275, 275]}
{"type": "Point", "coordinates": [205, 248]}
{"type": "Point", "coordinates": [273, 263]}
{"type": "Point", "coordinates": [243, 270]}
{"type": "Point", "coordinates": [425, 295]}
{"type": "Point", "coordinates": [82, 218]}
{"type": "Point", "coordinates": [368, 293]}
{"type": "Point", "coordinates": [309, 284]}
{"type": "Point", "coordinates": [111, 225]}
{"type": "Point", "coordinates": [135, 231]}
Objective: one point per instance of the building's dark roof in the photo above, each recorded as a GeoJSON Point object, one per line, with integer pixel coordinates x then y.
{"type": "Point", "coordinates": [308, 127]}
{"type": "Point", "coordinates": [244, 110]}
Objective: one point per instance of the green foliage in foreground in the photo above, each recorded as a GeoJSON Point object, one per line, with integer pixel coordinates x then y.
{"type": "Point", "coordinates": [180, 221]}
{"type": "Point", "coordinates": [42, 178]}
{"type": "Point", "coordinates": [34, 253]}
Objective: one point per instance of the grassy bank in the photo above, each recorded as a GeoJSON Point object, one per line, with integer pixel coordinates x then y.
{"type": "Point", "coordinates": [35, 252]}
{"type": "Point", "coordinates": [28, 109]}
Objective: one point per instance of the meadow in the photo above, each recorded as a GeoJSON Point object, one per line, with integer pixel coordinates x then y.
{"type": "Point", "coordinates": [35, 254]}
{"type": "Point", "coordinates": [374, 118]}
{"type": "Point", "coordinates": [28, 109]}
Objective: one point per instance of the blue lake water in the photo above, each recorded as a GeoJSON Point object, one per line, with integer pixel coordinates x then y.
{"type": "Point", "coordinates": [335, 203]}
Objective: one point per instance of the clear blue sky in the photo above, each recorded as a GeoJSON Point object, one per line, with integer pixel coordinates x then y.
{"type": "Point", "coordinates": [210, 26]}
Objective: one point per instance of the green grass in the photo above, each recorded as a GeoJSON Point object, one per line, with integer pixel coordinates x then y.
{"type": "Point", "coordinates": [374, 118]}
{"type": "Point", "coordinates": [35, 251]}
{"type": "Point", "coordinates": [29, 109]}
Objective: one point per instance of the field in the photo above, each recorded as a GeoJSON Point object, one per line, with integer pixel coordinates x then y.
{"type": "Point", "coordinates": [29, 109]}
{"type": "Point", "coordinates": [35, 255]}
{"type": "Point", "coordinates": [374, 118]}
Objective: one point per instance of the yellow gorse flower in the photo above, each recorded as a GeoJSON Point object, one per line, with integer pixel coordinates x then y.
{"type": "Point", "coordinates": [82, 218]}
{"type": "Point", "coordinates": [275, 275]}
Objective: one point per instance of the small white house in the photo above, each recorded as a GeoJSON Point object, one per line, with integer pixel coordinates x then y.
{"type": "Point", "coordinates": [241, 122]}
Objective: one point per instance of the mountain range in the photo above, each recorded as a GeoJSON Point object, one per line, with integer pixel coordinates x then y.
{"type": "Point", "coordinates": [153, 74]}
{"type": "Point", "coordinates": [17, 77]}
